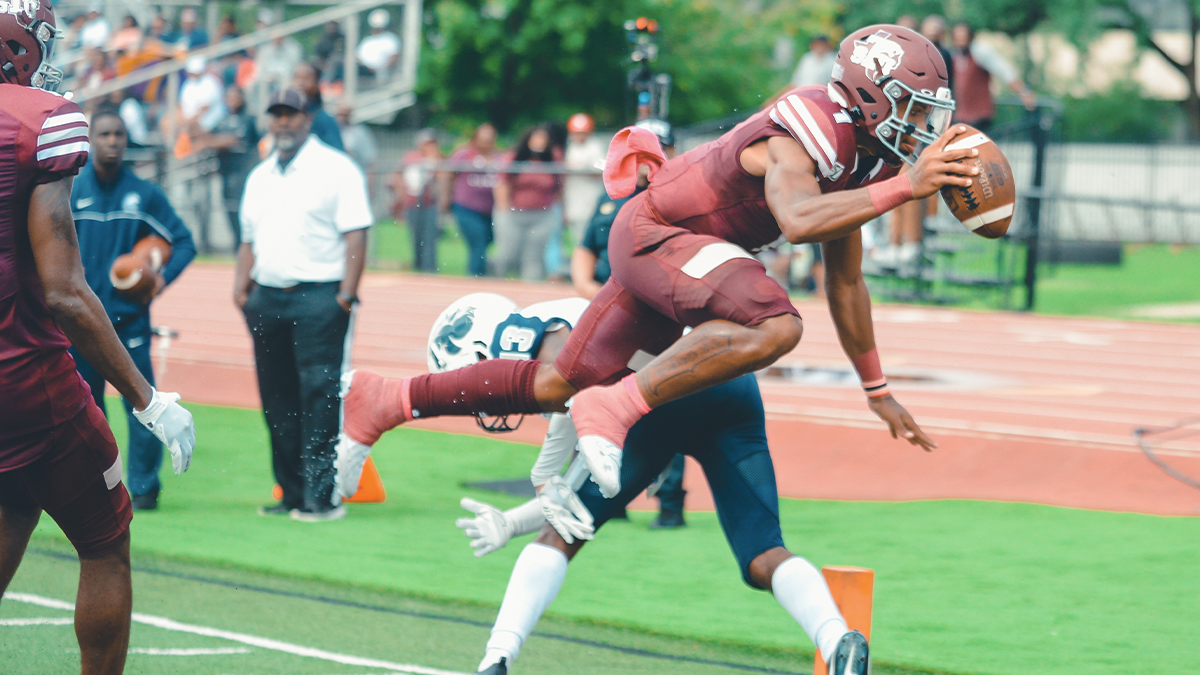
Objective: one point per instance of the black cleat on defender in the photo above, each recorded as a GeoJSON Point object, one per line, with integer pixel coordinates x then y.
{"type": "Point", "coordinates": [852, 656]}
{"type": "Point", "coordinates": [496, 668]}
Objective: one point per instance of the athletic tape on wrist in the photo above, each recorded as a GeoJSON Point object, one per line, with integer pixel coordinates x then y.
{"type": "Point", "coordinates": [871, 374]}
{"type": "Point", "coordinates": [887, 195]}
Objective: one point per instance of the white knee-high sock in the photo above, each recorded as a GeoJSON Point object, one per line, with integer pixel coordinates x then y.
{"type": "Point", "coordinates": [802, 591]}
{"type": "Point", "coordinates": [535, 581]}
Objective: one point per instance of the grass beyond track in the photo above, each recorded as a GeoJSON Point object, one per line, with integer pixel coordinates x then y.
{"type": "Point", "coordinates": [962, 587]}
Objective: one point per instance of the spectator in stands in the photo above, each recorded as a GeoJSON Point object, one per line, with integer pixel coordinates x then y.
{"type": "Point", "coordinates": [557, 267]}
{"type": "Point", "coordinates": [816, 65]}
{"type": "Point", "coordinates": [190, 35]}
{"type": "Point", "coordinates": [304, 218]}
{"type": "Point", "coordinates": [276, 60]}
{"type": "Point", "coordinates": [228, 66]}
{"type": "Point", "coordinates": [418, 191]}
{"type": "Point", "coordinates": [113, 210]}
{"type": "Point", "coordinates": [358, 139]}
{"type": "Point", "coordinates": [133, 114]}
{"type": "Point", "coordinates": [908, 21]}
{"type": "Point", "coordinates": [581, 192]}
{"type": "Point", "coordinates": [94, 32]}
{"type": "Point", "coordinates": [128, 38]}
{"type": "Point", "coordinates": [473, 198]}
{"type": "Point", "coordinates": [524, 218]}
{"type": "Point", "coordinates": [227, 29]}
{"type": "Point", "coordinates": [975, 64]}
{"type": "Point", "coordinates": [379, 52]}
{"type": "Point", "coordinates": [201, 100]}
{"type": "Point", "coordinates": [330, 50]}
{"type": "Point", "coordinates": [97, 72]}
{"type": "Point", "coordinates": [235, 138]}
{"type": "Point", "coordinates": [307, 78]}
{"type": "Point", "coordinates": [73, 33]}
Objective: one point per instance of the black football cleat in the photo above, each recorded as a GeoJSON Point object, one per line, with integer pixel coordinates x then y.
{"type": "Point", "coordinates": [668, 519]}
{"type": "Point", "coordinates": [496, 668]}
{"type": "Point", "coordinates": [852, 657]}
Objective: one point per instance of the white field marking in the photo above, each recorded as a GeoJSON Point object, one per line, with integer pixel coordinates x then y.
{"type": "Point", "coordinates": [61, 621]}
{"type": "Point", "coordinates": [253, 641]}
{"type": "Point", "coordinates": [151, 651]}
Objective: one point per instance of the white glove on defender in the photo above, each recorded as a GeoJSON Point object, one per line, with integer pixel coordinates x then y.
{"type": "Point", "coordinates": [565, 512]}
{"type": "Point", "coordinates": [489, 530]}
{"type": "Point", "coordinates": [171, 424]}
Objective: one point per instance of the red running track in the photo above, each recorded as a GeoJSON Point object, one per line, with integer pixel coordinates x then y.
{"type": "Point", "coordinates": [1025, 408]}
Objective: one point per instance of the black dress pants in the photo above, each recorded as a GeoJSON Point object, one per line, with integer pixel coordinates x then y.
{"type": "Point", "coordinates": [299, 342]}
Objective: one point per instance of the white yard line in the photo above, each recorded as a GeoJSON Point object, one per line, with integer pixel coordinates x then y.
{"type": "Point", "coordinates": [253, 641]}
{"type": "Point", "coordinates": [150, 651]}
{"type": "Point", "coordinates": [37, 622]}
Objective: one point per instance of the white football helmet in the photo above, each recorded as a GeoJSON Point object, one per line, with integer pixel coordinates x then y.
{"type": "Point", "coordinates": [463, 333]}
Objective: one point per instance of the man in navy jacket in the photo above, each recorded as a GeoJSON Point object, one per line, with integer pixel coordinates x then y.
{"type": "Point", "coordinates": [113, 210]}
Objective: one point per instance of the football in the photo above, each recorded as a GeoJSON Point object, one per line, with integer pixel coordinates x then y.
{"type": "Point", "coordinates": [986, 207]}
{"type": "Point", "coordinates": [133, 275]}
{"type": "Point", "coordinates": [154, 250]}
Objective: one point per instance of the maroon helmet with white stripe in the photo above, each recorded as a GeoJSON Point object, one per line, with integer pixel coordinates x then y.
{"type": "Point", "coordinates": [876, 68]}
{"type": "Point", "coordinates": [27, 33]}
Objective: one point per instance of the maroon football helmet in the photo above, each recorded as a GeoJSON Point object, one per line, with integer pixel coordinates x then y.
{"type": "Point", "coordinates": [877, 67]}
{"type": "Point", "coordinates": [27, 33]}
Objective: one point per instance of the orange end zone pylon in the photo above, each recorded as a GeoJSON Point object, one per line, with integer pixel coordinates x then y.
{"type": "Point", "coordinates": [853, 590]}
{"type": "Point", "coordinates": [370, 487]}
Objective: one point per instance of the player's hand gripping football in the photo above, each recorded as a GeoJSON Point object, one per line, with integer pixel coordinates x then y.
{"type": "Point", "coordinates": [172, 425]}
{"type": "Point", "coordinates": [899, 422]}
{"type": "Point", "coordinates": [489, 530]}
{"type": "Point", "coordinates": [563, 510]}
{"type": "Point", "coordinates": [938, 167]}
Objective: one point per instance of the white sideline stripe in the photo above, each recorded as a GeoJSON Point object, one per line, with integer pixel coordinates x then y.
{"type": "Point", "coordinates": [253, 641]}
{"type": "Point", "coordinates": [711, 257]}
{"type": "Point", "coordinates": [999, 213]}
{"type": "Point", "coordinates": [215, 651]}
{"type": "Point", "coordinates": [61, 621]}
{"type": "Point", "coordinates": [968, 142]}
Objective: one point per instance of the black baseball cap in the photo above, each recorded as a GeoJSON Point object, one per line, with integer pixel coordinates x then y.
{"type": "Point", "coordinates": [290, 97]}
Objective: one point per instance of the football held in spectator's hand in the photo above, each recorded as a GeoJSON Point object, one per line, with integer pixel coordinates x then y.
{"type": "Point", "coordinates": [986, 207]}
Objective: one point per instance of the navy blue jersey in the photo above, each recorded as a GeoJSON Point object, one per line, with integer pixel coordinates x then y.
{"type": "Point", "coordinates": [520, 335]}
{"type": "Point", "coordinates": [595, 238]}
{"type": "Point", "coordinates": [110, 219]}
{"type": "Point", "coordinates": [326, 128]}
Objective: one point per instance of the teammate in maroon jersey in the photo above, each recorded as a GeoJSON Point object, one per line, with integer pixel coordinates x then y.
{"type": "Point", "coordinates": [813, 168]}
{"type": "Point", "coordinates": [56, 451]}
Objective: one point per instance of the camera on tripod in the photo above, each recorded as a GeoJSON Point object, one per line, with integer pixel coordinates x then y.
{"type": "Point", "coordinates": [652, 89]}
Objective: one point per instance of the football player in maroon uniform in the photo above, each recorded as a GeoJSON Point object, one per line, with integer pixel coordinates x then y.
{"type": "Point", "coordinates": [813, 168]}
{"type": "Point", "coordinates": [56, 451]}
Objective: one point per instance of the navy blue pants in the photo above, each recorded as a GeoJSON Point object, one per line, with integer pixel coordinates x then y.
{"type": "Point", "coordinates": [476, 228]}
{"type": "Point", "coordinates": [145, 455]}
{"type": "Point", "coordinates": [724, 428]}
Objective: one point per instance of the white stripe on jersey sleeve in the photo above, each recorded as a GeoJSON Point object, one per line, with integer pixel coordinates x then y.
{"type": "Point", "coordinates": [56, 136]}
{"type": "Point", "coordinates": [61, 150]}
{"type": "Point", "coordinates": [786, 118]}
{"type": "Point", "coordinates": [813, 128]}
{"type": "Point", "coordinates": [61, 120]}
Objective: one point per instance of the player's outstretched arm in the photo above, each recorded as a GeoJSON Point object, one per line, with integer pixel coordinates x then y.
{"type": "Point", "coordinates": [75, 307]}
{"type": "Point", "coordinates": [82, 318]}
{"type": "Point", "coordinates": [850, 306]}
{"type": "Point", "coordinates": [806, 215]}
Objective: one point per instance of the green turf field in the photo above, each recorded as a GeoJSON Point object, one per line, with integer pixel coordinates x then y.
{"type": "Point", "coordinates": [961, 587]}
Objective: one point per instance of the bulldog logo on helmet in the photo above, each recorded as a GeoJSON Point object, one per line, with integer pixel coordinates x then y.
{"type": "Point", "coordinates": [879, 55]}
{"type": "Point", "coordinates": [29, 7]}
{"type": "Point", "coordinates": [451, 332]}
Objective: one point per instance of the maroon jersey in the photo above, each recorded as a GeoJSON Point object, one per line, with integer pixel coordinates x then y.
{"type": "Point", "coordinates": [707, 191]}
{"type": "Point", "coordinates": [43, 138]}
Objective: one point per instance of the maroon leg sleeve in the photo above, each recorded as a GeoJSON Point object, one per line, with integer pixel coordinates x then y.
{"type": "Point", "coordinates": [497, 387]}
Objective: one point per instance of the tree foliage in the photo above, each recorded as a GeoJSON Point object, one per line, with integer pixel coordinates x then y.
{"type": "Point", "coordinates": [516, 62]}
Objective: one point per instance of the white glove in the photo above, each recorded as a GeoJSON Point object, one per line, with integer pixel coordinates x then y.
{"type": "Point", "coordinates": [565, 512]}
{"type": "Point", "coordinates": [489, 530]}
{"type": "Point", "coordinates": [171, 424]}
{"type": "Point", "coordinates": [604, 462]}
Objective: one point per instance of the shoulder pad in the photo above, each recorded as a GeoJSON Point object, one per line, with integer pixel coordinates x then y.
{"type": "Point", "coordinates": [814, 125]}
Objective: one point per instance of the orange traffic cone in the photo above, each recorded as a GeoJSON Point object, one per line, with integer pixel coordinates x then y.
{"type": "Point", "coordinates": [370, 487]}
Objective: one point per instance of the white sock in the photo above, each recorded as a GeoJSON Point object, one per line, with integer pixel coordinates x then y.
{"type": "Point", "coordinates": [802, 591]}
{"type": "Point", "coordinates": [535, 581]}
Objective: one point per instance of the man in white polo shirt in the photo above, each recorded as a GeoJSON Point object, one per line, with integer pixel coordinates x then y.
{"type": "Point", "coordinates": [304, 240]}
